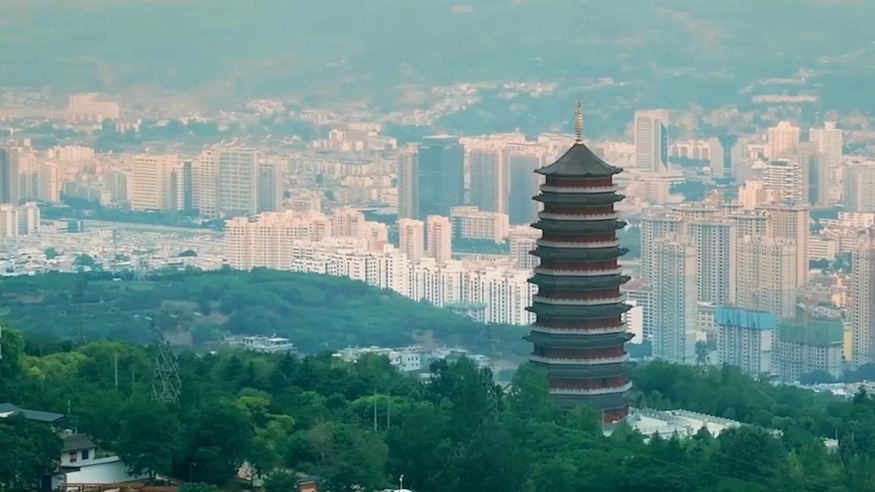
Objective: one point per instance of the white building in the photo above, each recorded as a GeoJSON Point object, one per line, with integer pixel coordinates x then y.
{"type": "Point", "coordinates": [674, 304]}
{"type": "Point", "coordinates": [651, 140]}
{"type": "Point", "coordinates": [782, 137]}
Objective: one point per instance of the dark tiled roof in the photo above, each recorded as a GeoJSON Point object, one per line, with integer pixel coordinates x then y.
{"type": "Point", "coordinates": [76, 442]}
{"type": "Point", "coordinates": [579, 161]}
{"type": "Point", "coordinates": [30, 414]}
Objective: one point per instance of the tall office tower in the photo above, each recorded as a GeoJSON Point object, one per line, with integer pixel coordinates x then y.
{"type": "Point", "coordinates": [440, 174]}
{"type": "Point", "coordinates": [746, 339]}
{"type": "Point", "coordinates": [766, 275]}
{"type": "Point", "coordinates": [151, 182]}
{"type": "Point", "coordinates": [786, 181]}
{"type": "Point", "coordinates": [208, 184]}
{"type": "Point", "coordinates": [651, 140]}
{"type": "Point", "coordinates": [726, 154]}
{"type": "Point", "coordinates": [781, 137]}
{"type": "Point", "coordinates": [791, 222]}
{"type": "Point", "coordinates": [830, 141]}
{"type": "Point", "coordinates": [439, 238]}
{"type": "Point", "coordinates": [187, 172]}
{"type": "Point", "coordinates": [411, 238]}
{"type": "Point", "coordinates": [653, 228]}
{"type": "Point", "coordinates": [862, 302]}
{"type": "Point", "coordinates": [578, 335]}
{"type": "Point", "coordinates": [814, 166]}
{"type": "Point", "coordinates": [49, 182]}
{"type": "Point", "coordinates": [489, 180]}
{"type": "Point", "coordinates": [716, 242]}
{"type": "Point", "coordinates": [238, 182]}
{"type": "Point", "coordinates": [859, 184]}
{"type": "Point", "coordinates": [10, 183]}
{"type": "Point", "coordinates": [673, 306]}
{"type": "Point", "coordinates": [408, 206]}
{"type": "Point", "coordinates": [269, 186]}
{"type": "Point", "coordinates": [524, 184]}
{"type": "Point", "coordinates": [522, 241]}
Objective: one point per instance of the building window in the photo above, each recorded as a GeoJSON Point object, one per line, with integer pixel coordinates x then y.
{"type": "Point", "coordinates": [85, 454]}
{"type": "Point", "coordinates": [73, 457]}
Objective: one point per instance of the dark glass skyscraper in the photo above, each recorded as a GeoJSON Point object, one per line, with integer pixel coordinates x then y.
{"type": "Point", "coordinates": [440, 176]}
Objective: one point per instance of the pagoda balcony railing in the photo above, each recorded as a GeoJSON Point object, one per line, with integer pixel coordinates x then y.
{"type": "Point", "coordinates": [578, 244]}
{"type": "Point", "coordinates": [580, 362]}
{"type": "Point", "coordinates": [579, 273]}
{"type": "Point", "coordinates": [608, 330]}
{"type": "Point", "coordinates": [580, 302]}
{"type": "Point", "coordinates": [597, 391]}
{"type": "Point", "coordinates": [549, 216]}
{"type": "Point", "coordinates": [578, 189]}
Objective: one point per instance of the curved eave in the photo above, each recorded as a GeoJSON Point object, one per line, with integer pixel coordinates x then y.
{"type": "Point", "coordinates": [579, 162]}
{"type": "Point", "coordinates": [611, 401]}
{"type": "Point", "coordinates": [584, 373]}
{"type": "Point", "coordinates": [579, 226]}
{"type": "Point", "coordinates": [578, 341]}
{"type": "Point", "coordinates": [579, 198]}
{"type": "Point", "coordinates": [581, 255]}
{"type": "Point", "coordinates": [579, 283]}
{"type": "Point", "coordinates": [577, 312]}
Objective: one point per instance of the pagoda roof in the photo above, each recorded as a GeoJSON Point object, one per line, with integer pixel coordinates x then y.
{"type": "Point", "coordinates": [579, 161]}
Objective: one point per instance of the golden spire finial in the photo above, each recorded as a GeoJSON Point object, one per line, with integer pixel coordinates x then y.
{"type": "Point", "coordinates": [578, 122]}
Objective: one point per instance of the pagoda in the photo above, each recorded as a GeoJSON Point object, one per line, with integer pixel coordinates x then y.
{"type": "Point", "coordinates": [579, 336]}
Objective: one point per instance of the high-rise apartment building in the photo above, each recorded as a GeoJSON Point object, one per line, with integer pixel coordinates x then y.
{"type": "Point", "coordinates": [439, 238]}
{"type": "Point", "coordinates": [524, 184]}
{"type": "Point", "coordinates": [673, 307]}
{"type": "Point", "coordinates": [746, 339]}
{"type": "Point", "coordinates": [808, 344]}
{"type": "Point", "coordinates": [440, 175]}
{"type": "Point", "coordinates": [862, 302]}
{"type": "Point", "coordinates": [10, 182]}
{"type": "Point", "coordinates": [207, 184]}
{"type": "Point", "coordinates": [829, 141]}
{"type": "Point", "coordinates": [49, 182]}
{"type": "Point", "coordinates": [766, 275]}
{"type": "Point", "coordinates": [188, 186]}
{"type": "Point", "coordinates": [119, 183]}
{"type": "Point", "coordinates": [715, 242]}
{"type": "Point", "coordinates": [411, 238]}
{"type": "Point", "coordinates": [651, 140]}
{"type": "Point", "coordinates": [859, 183]}
{"type": "Point", "coordinates": [786, 181]}
{"type": "Point", "coordinates": [238, 182]}
{"type": "Point", "coordinates": [472, 223]}
{"type": "Point", "coordinates": [152, 183]}
{"type": "Point", "coordinates": [781, 138]}
{"type": "Point", "coordinates": [791, 222]}
{"type": "Point", "coordinates": [488, 180]}
{"type": "Point", "coordinates": [408, 184]}
{"type": "Point", "coordinates": [653, 228]}
{"type": "Point", "coordinates": [269, 186]}
{"type": "Point", "coordinates": [522, 241]}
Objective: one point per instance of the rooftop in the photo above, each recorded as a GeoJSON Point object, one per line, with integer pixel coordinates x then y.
{"type": "Point", "coordinates": [10, 410]}
{"type": "Point", "coordinates": [580, 161]}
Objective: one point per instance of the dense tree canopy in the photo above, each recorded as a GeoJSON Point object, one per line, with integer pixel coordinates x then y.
{"type": "Point", "coordinates": [316, 312]}
{"type": "Point", "coordinates": [364, 424]}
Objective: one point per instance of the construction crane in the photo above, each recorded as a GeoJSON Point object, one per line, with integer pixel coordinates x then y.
{"type": "Point", "coordinates": [166, 383]}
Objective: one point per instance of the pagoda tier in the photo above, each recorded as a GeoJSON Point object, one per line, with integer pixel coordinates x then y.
{"type": "Point", "coordinates": [579, 337]}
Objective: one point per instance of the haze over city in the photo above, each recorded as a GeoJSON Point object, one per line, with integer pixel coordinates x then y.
{"type": "Point", "coordinates": [437, 246]}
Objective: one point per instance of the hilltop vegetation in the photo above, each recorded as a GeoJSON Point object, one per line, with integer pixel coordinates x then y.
{"type": "Point", "coordinates": [670, 51]}
{"type": "Point", "coordinates": [457, 433]}
{"type": "Point", "coordinates": [317, 312]}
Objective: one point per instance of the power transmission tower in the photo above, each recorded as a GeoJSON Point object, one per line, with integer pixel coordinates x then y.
{"type": "Point", "coordinates": [78, 299]}
{"type": "Point", "coordinates": [166, 384]}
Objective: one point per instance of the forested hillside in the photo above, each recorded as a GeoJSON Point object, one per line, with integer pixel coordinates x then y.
{"type": "Point", "coordinates": [457, 433]}
{"type": "Point", "coordinates": [316, 312]}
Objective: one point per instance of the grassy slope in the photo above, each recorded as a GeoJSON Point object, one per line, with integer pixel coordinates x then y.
{"type": "Point", "coordinates": [316, 312]}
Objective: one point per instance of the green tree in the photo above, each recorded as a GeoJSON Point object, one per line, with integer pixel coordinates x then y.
{"type": "Point", "coordinates": [149, 438]}
{"type": "Point", "coordinates": [30, 450]}
{"type": "Point", "coordinates": [51, 253]}
{"type": "Point", "coordinates": [198, 487]}
{"type": "Point", "coordinates": [220, 439]}
{"type": "Point", "coordinates": [281, 481]}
